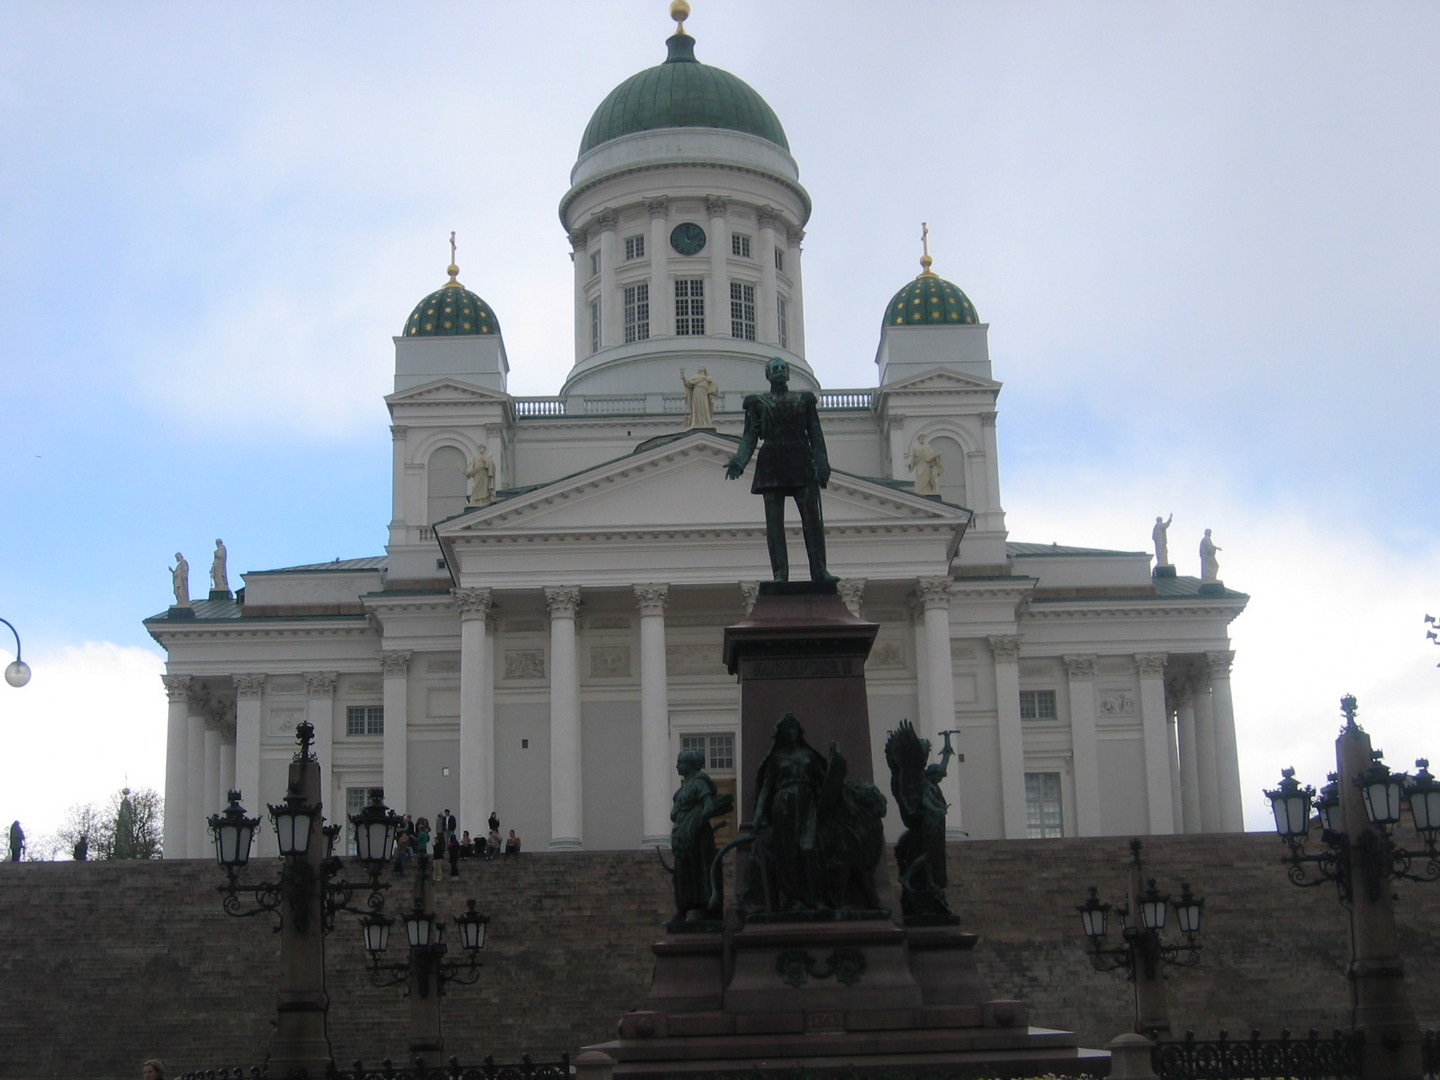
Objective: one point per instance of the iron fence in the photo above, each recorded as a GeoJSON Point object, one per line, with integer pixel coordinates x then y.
{"type": "Point", "coordinates": [489, 1069]}
{"type": "Point", "coordinates": [1310, 1058]}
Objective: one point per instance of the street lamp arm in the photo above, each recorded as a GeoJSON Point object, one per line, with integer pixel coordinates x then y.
{"type": "Point", "coordinates": [17, 674]}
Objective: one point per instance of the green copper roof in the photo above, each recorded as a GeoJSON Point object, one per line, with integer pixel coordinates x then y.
{"type": "Point", "coordinates": [451, 309]}
{"type": "Point", "coordinates": [682, 92]}
{"type": "Point", "coordinates": [930, 300]}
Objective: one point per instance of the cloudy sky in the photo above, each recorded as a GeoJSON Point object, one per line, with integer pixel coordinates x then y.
{"type": "Point", "coordinates": [1205, 237]}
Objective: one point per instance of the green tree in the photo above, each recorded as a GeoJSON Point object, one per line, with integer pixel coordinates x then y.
{"type": "Point", "coordinates": [127, 827]}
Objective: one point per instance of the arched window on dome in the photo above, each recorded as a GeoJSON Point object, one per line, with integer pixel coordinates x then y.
{"type": "Point", "coordinates": [444, 484]}
{"type": "Point", "coordinates": [952, 469]}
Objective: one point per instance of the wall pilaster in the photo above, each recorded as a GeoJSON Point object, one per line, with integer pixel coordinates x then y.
{"type": "Point", "coordinates": [566, 804]}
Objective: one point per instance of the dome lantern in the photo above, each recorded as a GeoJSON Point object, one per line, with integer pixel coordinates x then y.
{"type": "Point", "coordinates": [451, 310]}
{"type": "Point", "coordinates": [930, 300]}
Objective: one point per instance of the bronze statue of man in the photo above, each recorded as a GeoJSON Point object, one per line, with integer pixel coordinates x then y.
{"type": "Point", "coordinates": [792, 464]}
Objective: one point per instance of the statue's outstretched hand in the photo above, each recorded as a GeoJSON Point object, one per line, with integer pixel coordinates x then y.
{"type": "Point", "coordinates": [733, 469]}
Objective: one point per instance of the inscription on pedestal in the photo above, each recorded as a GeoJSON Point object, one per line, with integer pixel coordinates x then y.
{"type": "Point", "coordinates": [802, 668]}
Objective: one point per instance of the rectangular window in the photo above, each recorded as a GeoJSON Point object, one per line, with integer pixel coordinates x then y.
{"type": "Point", "coordinates": [740, 245]}
{"type": "Point", "coordinates": [1037, 704]}
{"type": "Point", "coordinates": [719, 750]}
{"type": "Point", "coordinates": [1043, 818]}
{"type": "Point", "coordinates": [689, 306]}
{"type": "Point", "coordinates": [635, 247]}
{"type": "Point", "coordinates": [594, 263]}
{"type": "Point", "coordinates": [594, 326]}
{"type": "Point", "coordinates": [782, 321]}
{"type": "Point", "coordinates": [365, 720]}
{"type": "Point", "coordinates": [779, 260]}
{"type": "Point", "coordinates": [356, 799]}
{"type": "Point", "coordinates": [637, 312]}
{"type": "Point", "coordinates": [742, 310]}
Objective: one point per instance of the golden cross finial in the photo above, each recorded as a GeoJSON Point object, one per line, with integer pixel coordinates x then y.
{"type": "Point", "coordinates": [925, 259]}
{"type": "Point", "coordinates": [452, 269]}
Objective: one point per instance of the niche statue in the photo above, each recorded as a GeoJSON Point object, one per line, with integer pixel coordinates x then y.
{"type": "Point", "coordinates": [692, 838]}
{"type": "Point", "coordinates": [817, 837]}
{"type": "Point", "coordinates": [920, 851]}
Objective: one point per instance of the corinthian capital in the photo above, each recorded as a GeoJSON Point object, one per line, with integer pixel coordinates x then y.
{"type": "Point", "coordinates": [607, 218]}
{"type": "Point", "coordinates": [473, 603]}
{"type": "Point", "coordinates": [650, 599]}
{"type": "Point", "coordinates": [933, 592]}
{"type": "Point", "coordinates": [321, 684]}
{"type": "Point", "coordinates": [1151, 665]}
{"type": "Point", "coordinates": [715, 206]}
{"type": "Point", "coordinates": [1005, 647]}
{"type": "Point", "coordinates": [395, 661]}
{"type": "Point", "coordinates": [177, 687]}
{"type": "Point", "coordinates": [1080, 667]}
{"type": "Point", "coordinates": [768, 217]}
{"type": "Point", "coordinates": [249, 687]}
{"type": "Point", "coordinates": [659, 207]}
{"type": "Point", "coordinates": [794, 236]}
{"type": "Point", "coordinates": [563, 601]}
{"type": "Point", "coordinates": [1217, 664]}
{"type": "Point", "coordinates": [578, 237]}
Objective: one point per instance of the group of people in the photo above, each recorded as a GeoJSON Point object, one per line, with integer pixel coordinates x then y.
{"type": "Point", "coordinates": [444, 843]}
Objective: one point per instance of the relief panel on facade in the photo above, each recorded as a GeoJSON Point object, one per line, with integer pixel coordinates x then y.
{"type": "Point", "coordinates": [1116, 706]}
{"type": "Point", "coordinates": [962, 652]}
{"type": "Point", "coordinates": [694, 660]}
{"type": "Point", "coordinates": [524, 626]}
{"type": "Point", "coordinates": [443, 667]}
{"type": "Point", "coordinates": [524, 663]}
{"type": "Point", "coordinates": [285, 684]}
{"type": "Point", "coordinates": [282, 722]}
{"type": "Point", "coordinates": [887, 656]}
{"type": "Point", "coordinates": [367, 686]}
{"type": "Point", "coordinates": [610, 661]}
{"type": "Point", "coordinates": [610, 622]}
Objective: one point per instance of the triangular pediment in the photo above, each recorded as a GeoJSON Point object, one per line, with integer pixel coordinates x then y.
{"type": "Point", "coordinates": [940, 379]}
{"type": "Point", "coordinates": [445, 391]}
{"type": "Point", "coordinates": [681, 485]}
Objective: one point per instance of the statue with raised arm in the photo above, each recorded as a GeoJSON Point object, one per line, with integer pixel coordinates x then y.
{"type": "Point", "coordinates": [1159, 534]}
{"type": "Point", "coordinates": [792, 463]}
{"type": "Point", "coordinates": [920, 851]}
{"type": "Point", "coordinates": [701, 392]}
{"type": "Point", "coordinates": [180, 581]}
{"type": "Point", "coordinates": [692, 836]}
{"type": "Point", "coordinates": [480, 472]}
{"type": "Point", "coordinates": [1209, 564]}
{"type": "Point", "coordinates": [925, 462]}
{"type": "Point", "coordinates": [219, 581]}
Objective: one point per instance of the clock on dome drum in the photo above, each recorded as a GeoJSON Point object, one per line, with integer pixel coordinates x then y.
{"type": "Point", "coordinates": [687, 238]}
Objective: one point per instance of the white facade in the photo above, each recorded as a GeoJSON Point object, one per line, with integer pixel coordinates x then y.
{"type": "Point", "coordinates": [547, 655]}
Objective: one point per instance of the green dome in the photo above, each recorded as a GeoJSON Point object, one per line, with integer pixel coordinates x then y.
{"type": "Point", "coordinates": [930, 300]}
{"type": "Point", "coordinates": [451, 309]}
{"type": "Point", "coordinates": [682, 92]}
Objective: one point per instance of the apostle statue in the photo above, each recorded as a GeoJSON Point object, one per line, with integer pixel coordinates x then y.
{"type": "Point", "coordinates": [481, 474]}
{"type": "Point", "coordinates": [1162, 541]}
{"type": "Point", "coordinates": [792, 464]}
{"type": "Point", "coordinates": [1209, 564]}
{"type": "Point", "coordinates": [692, 836]}
{"type": "Point", "coordinates": [180, 581]}
{"type": "Point", "coordinates": [925, 462]}
{"type": "Point", "coordinates": [219, 582]}
{"type": "Point", "coordinates": [701, 392]}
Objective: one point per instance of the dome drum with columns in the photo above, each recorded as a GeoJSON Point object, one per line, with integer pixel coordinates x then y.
{"type": "Point", "coordinates": [542, 634]}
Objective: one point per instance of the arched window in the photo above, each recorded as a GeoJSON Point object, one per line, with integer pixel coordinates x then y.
{"type": "Point", "coordinates": [952, 469]}
{"type": "Point", "coordinates": [445, 484]}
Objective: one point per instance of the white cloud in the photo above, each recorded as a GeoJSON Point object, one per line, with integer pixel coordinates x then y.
{"type": "Point", "coordinates": [91, 720]}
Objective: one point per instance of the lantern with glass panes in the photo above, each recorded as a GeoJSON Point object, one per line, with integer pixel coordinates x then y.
{"type": "Point", "coordinates": [427, 959]}
{"type": "Point", "coordinates": [1142, 947]}
{"type": "Point", "coordinates": [296, 821]}
{"type": "Point", "coordinates": [1348, 856]}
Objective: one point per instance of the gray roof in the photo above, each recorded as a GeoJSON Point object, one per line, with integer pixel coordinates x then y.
{"type": "Point", "coordinates": [373, 562]}
{"type": "Point", "coordinates": [1014, 549]}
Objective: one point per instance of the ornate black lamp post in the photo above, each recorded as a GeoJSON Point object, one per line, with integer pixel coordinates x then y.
{"type": "Point", "coordinates": [303, 901]}
{"type": "Point", "coordinates": [1357, 809]}
{"type": "Point", "coordinates": [17, 673]}
{"type": "Point", "coordinates": [426, 971]}
{"type": "Point", "coordinates": [1143, 953]}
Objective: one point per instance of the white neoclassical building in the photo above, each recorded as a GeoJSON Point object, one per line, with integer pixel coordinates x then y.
{"type": "Point", "coordinates": [542, 636]}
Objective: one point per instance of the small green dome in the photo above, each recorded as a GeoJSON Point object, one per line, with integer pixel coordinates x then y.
{"type": "Point", "coordinates": [682, 92]}
{"type": "Point", "coordinates": [930, 300]}
{"type": "Point", "coordinates": [451, 309]}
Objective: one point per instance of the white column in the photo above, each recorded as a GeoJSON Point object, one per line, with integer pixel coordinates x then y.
{"type": "Point", "coordinates": [566, 805]}
{"type": "Point", "coordinates": [397, 483]}
{"type": "Point", "coordinates": [1083, 749]}
{"type": "Point", "coordinates": [934, 595]}
{"type": "Point", "coordinates": [195, 786]}
{"type": "Point", "coordinates": [580, 263]}
{"type": "Point", "coordinates": [922, 681]}
{"type": "Point", "coordinates": [1205, 756]}
{"type": "Point", "coordinates": [320, 711]}
{"type": "Point", "coordinates": [1005, 653]}
{"type": "Point", "coordinates": [227, 764]}
{"type": "Point", "coordinates": [1227, 753]}
{"type": "Point", "coordinates": [994, 514]}
{"type": "Point", "coordinates": [477, 708]}
{"type": "Point", "coordinates": [249, 699]}
{"type": "Point", "coordinates": [1172, 740]}
{"type": "Point", "coordinates": [1155, 728]}
{"type": "Point", "coordinates": [177, 731]}
{"type": "Point", "coordinates": [662, 299]}
{"type": "Point", "coordinates": [611, 330]}
{"type": "Point", "coordinates": [1183, 690]}
{"type": "Point", "coordinates": [656, 774]}
{"type": "Point", "coordinates": [214, 800]}
{"type": "Point", "coordinates": [767, 321]}
{"type": "Point", "coordinates": [797, 294]}
{"type": "Point", "coordinates": [395, 663]}
{"type": "Point", "coordinates": [719, 247]}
